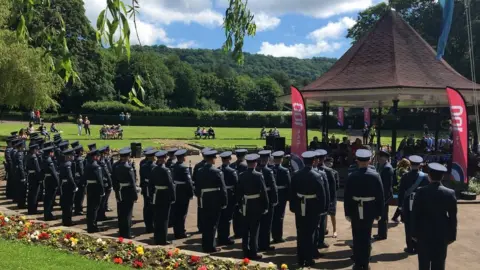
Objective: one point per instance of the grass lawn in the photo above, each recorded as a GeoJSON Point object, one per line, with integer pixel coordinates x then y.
{"type": "Point", "coordinates": [19, 256]}
{"type": "Point", "coordinates": [154, 136]}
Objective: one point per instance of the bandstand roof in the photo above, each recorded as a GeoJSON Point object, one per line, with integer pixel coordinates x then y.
{"type": "Point", "coordinates": [391, 62]}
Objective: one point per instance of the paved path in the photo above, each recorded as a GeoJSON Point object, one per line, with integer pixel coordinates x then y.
{"type": "Point", "coordinates": [388, 254]}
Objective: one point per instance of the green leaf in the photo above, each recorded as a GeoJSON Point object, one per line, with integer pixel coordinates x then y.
{"type": "Point", "coordinates": [138, 102]}
{"type": "Point", "coordinates": [122, 5]}
{"type": "Point", "coordinates": [126, 35]}
{"type": "Point", "coordinates": [21, 29]}
{"type": "Point", "coordinates": [133, 92]}
{"type": "Point", "coordinates": [101, 20]}
{"type": "Point", "coordinates": [123, 97]}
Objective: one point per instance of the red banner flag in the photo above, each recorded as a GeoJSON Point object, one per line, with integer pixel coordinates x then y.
{"type": "Point", "coordinates": [340, 116]}
{"type": "Point", "coordinates": [366, 116]}
{"type": "Point", "coordinates": [458, 112]}
{"type": "Point", "coordinates": [299, 123]}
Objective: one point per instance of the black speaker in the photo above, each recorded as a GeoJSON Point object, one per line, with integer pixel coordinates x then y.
{"type": "Point", "coordinates": [270, 142]}
{"type": "Point", "coordinates": [136, 149]}
{"type": "Point", "coordinates": [279, 144]}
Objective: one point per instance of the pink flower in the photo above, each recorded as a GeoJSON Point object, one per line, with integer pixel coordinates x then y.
{"type": "Point", "coordinates": [203, 267]}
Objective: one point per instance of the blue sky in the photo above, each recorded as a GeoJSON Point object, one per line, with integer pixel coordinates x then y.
{"type": "Point", "coordinates": [296, 28]}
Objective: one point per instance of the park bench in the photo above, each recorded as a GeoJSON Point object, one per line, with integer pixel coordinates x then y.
{"type": "Point", "coordinates": [248, 147]}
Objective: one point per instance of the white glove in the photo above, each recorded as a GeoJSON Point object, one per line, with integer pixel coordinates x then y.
{"type": "Point", "coordinates": [266, 211]}
{"type": "Point", "coordinates": [76, 189]}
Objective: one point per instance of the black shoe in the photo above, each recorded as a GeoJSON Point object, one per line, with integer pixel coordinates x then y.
{"type": "Point", "coordinates": [164, 244]}
{"type": "Point", "coordinates": [409, 251]}
{"type": "Point", "coordinates": [323, 245]}
{"type": "Point", "coordinates": [34, 212]}
{"type": "Point", "coordinates": [352, 258]}
{"type": "Point", "coordinates": [131, 236]}
{"type": "Point", "coordinates": [212, 250]}
{"type": "Point", "coordinates": [326, 232]}
{"type": "Point", "coordinates": [183, 236]}
{"type": "Point", "coordinates": [78, 213]}
{"type": "Point", "coordinates": [109, 210]}
{"type": "Point", "coordinates": [309, 263]}
{"type": "Point", "coordinates": [379, 238]}
{"type": "Point", "coordinates": [149, 230]}
{"type": "Point", "coordinates": [318, 255]}
{"type": "Point", "coordinates": [281, 240]}
{"type": "Point", "coordinates": [70, 224]}
{"type": "Point", "coordinates": [270, 248]}
{"type": "Point", "coordinates": [255, 257]}
{"type": "Point", "coordinates": [227, 242]}
{"type": "Point", "coordinates": [237, 236]}
{"type": "Point", "coordinates": [101, 218]}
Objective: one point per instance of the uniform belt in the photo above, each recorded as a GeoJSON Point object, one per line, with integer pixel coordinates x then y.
{"type": "Point", "coordinates": [91, 182]}
{"type": "Point", "coordinates": [245, 200]}
{"type": "Point", "coordinates": [229, 187]}
{"type": "Point", "coordinates": [360, 201]}
{"type": "Point", "coordinates": [32, 171]}
{"type": "Point", "coordinates": [410, 201]}
{"type": "Point", "coordinates": [146, 180]}
{"type": "Point", "coordinates": [179, 183]}
{"type": "Point", "coordinates": [281, 187]}
{"type": "Point", "coordinates": [48, 174]}
{"type": "Point", "coordinates": [268, 189]}
{"type": "Point", "coordinates": [206, 190]}
{"type": "Point", "coordinates": [157, 188]}
{"type": "Point", "coordinates": [77, 174]}
{"type": "Point", "coordinates": [64, 180]}
{"type": "Point", "coordinates": [303, 203]}
{"type": "Point", "coordinates": [122, 185]}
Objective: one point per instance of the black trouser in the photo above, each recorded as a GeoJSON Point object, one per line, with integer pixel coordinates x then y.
{"type": "Point", "coordinates": [33, 190]}
{"type": "Point", "coordinates": [431, 255]}
{"type": "Point", "coordinates": [124, 210]}
{"type": "Point", "coordinates": [87, 130]}
{"type": "Point", "coordinates": [383, 223]}
{"type": "Point", "coordinates": [21, 193]}
{"type": "Point", "coordinates": [50, 192]}
{"type": "Point", "coordinates": [225, 221]}
{"type": "Point", "coordinates": [237, 222]}
{"type": "Point", "coordinates": [8, 187]}
{"type": "Point", "coordinates": [320, 231]}
{"type": "Point", "coordinates": [251, 228]}
{"type": "Point", "coordinates": [79, 198]}
{"type": "Point", "coordinates": [278, 216]}
{"type": "Point", "coordinates": [199, 217]}
{"type": "Point", "coordinates": [161, 215]}
{"type": "Point", "coordinates": [181, 210]}
{"type": "Point", "coordinates": [411, 245]}
{"type": "Point", "coordinates": [210, 217]}
{"type": "Point", "coordinates": [365, 140]}
{"type": "Point", "coordinates": [94, 198]}
{"type": "Point", "coordinates": [66, 202]}
{"type": "Point", "coordinates": [397, 214]}
{"type": "Point", "coordinates": [171, 216]}
{"type": "Point", "coordinates": [265, 230]}
{"type": "Point", "coordinates": [306, 244]}
{"type": "Point", "coordinates": [362, 234]}
{"type": "Point", "coordinates": [147, 213]}
{"type": "Point", "coordinates": [103, 204]}
{"type": "Point", "coordinates": [41, 190]}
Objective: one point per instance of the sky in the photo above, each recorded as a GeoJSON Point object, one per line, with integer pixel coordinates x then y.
{"type": "Point", "coordinates": [293, 28]}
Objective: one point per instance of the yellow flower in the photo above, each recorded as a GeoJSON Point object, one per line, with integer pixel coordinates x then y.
{"type": "Point", "coordinates": [284, 266]}
{"type": "Point", "coordinates": [56, 231]}
{"type": "Point", "coordinates": [176, 251]}
{"type": "Point", "coordinates": [140, 250]}
{"type": "Point", "coordinates": [28, 224]}
{"type": "Point", "coordinates": [74, 241]}
{"type": "Point", "coordinates": [22, 218]}
{"type": "Point", "coordinates": [169, 268]}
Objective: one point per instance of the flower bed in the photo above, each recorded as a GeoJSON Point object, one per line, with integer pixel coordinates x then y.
{"type": "Point", "coordinates": [118, 251]}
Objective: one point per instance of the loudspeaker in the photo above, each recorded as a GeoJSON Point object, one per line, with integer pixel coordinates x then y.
{"type": "Point", "coordinates": [270, 142]}
{"type": "Point", "coordinates": [279, 144]}
{"type": "Point", "coordinates": [136, 149]}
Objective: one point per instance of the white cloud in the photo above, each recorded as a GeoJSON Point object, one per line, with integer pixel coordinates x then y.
{"type": "Point", "coordinates": [149, 34]}
{"type": "Point", "coordinates": [185, 45]}
{"type": "Point", "coordinates": [325, 41]}
{"type": "Point", "coordinates": [265, 22]}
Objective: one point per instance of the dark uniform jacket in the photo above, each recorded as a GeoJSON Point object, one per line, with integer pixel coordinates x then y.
{"type": "Point", "coordinates": [20, 165]}
{"type": "Point", "coordinates": [387, 175]}
{"type": "Point", "coordinates": [406, 182]}
{"type": "Point", "coordinates": [239, 166]}
{"type": "Point", "coordinates": [307, 181]}
{"type": "Point", "coordinates": [170, 163]}
{"type": "Point", "coordinates": [93, 171]}
{"type": "Point", "coordinates": [435, 214]}
{"type": "Point", "coordinates": [33, 165]}
{"type": "Point", "coordinates": [145, 172]}
{"type": "Point", "coordinates": [250, 182]}
{"type": "Point", "coordinates": [49, 168]}
{"type": "Point", "coordinates": [183, 182]}
{"type": "Point", "coordinates": [66, 177]}
{"type": "Point", "coordinates": [332, 185]}
{"type": "Point", "coordinates": [162, 177]}
{"type": "Point", "coordinates": [107, 178]}
{"type": "Point", "coordinates": [363, 183]}
{"type": "Point", "coordinates": [270, 183]}
{"type": "Point", "coordinates": [211, 178]}
{"type": "Point", "coordinates": [79, 167]}
{"type": "Point", "coordinates": [230, 177]}
{"type": "Point", "coordinates": [123, 173]}
{"type": "Point", "coordinates": [8, 157]}
{"type": "Point", "coordinates": [197, 167]}
{"type": "Point", "coordinates": [283, 181]}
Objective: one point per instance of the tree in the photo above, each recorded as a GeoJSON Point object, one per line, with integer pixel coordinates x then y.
{"type": "Point", "coordinates": [187, 85]}
{"type": "Point", "coordinates": [264, 97]}
{"type": "Point", "coordinates": [25, 78]}
{"type": "Point", "coordinates": [283, 80]}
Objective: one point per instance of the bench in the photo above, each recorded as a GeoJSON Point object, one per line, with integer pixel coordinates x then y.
{"type": "Point", "coordinates": [248, 147]}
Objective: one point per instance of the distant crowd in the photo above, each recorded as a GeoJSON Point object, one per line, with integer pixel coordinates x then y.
{"type": "Point", "coordinates": [272, 132]}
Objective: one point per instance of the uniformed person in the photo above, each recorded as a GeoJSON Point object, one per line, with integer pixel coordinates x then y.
{"type": "Point", "coordinates": [79, 180]}
{"type": "Point", "coordinates": [332, 210]}
{"type": "Point", "coordinates": [354, 166]}
{"type": "Point", "coordinates": [363, 203]}
{"type": "Point", "coordinates": [51, 182]}
{"type": "Point", "coordinates": [230, 178]}
{"type": "Point", "coordinates": [386, 174]}
{"type": "Point", "coordinates": [74, 144]}
{"type": "Point", "coordinates": [240, 166]}
{"type": "Point", "coordinates": [283, 181]}
{"type": "Point", "coordinates": [163, 196]}
{"type": "Point", "coordinates": [307, 202]}
{"type": "Point", "coordinates": [34, 171]}
{"type": "Point", "coordinates": [171, 158]}
{"type": "Point", "coordinates": [212, 194]}
{"type": "Point", "coordinates": [183, 193]}
{"type": "Point", "coordinates": [434, 220]}
{"type": "Point", "coordinates": [13, 171]}
{"type": "Point", "coordinates": [266, 221]}
{"type": "Point", "coordinates": [92, 146]}
{"type": "Point", "coordinates": [145, 171]}
{"type": "Point", "coordinates": [330, 194]}
{"type": "Point", "coordinates": [8, 165]}
{"type": "Point", "coordinates": [21, 177]}
{"type": "Point", "coordinates": [108, 159]}
{"type": "Point", "coordinates": [409, 183]}
{"type": "Point", "coordinates": [252, 198]}
{"type": "Point", "coordinates": [107, 183]}
{"type": "Point", "coordinates": [95, 190]}
{"type": "Point", "coordinates": [126, 192]}
{"type": "Point", "coordinates": [67, 188]}
{"type": "Point", "coordinates": [197, 167]}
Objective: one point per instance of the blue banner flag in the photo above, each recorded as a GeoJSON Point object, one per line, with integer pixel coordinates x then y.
{"type": "Point", "coordinates": [447, 6]}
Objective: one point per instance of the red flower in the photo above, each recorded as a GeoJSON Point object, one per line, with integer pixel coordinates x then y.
{"type": "Point", "coordinates": [120, 239]}
{"type": "Point", "coordinates": [130, 242]}
{"type": "Point", "coordinates": [3, 224]}
{"type": "Point", "coordinates": [68, 236]}
{"type": "Point", "coordinates": [203, 267]}
{"type": "Point", "coordinates": [118, 260]}
{"type": "Point", "coordinates": [176, 265]}
{"type": "Point", "coordinates": [21, 235]}
{"type": "Point", "coordinates": [43, 235]}
{"type": "Point", "coordinates": [169, 253]}
{"type": "Point", "coordinates": [44, 225]}
{"type": "Point", "coordinates": [194, 259]}
{"type": "Point", "coordinates": [137, 264]}
{"type": "Point", "coordinates": [246, 261]}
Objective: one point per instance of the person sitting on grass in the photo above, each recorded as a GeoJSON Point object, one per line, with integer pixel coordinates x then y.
{"type": "Point", "coordinates": [103, 132]}
{"type": "Point", "coordinates": [263, 133]}
{"type": "Point", "coordinates": [198, 133]}
{"type": "Point", "coordinates": [43, 131]}
{"type": "Point", "coordinates": [204, 133]}
{"type": "Point", "coordinates": [53, 128]}
{"type": "Point", "coordinates": [211, 133]}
